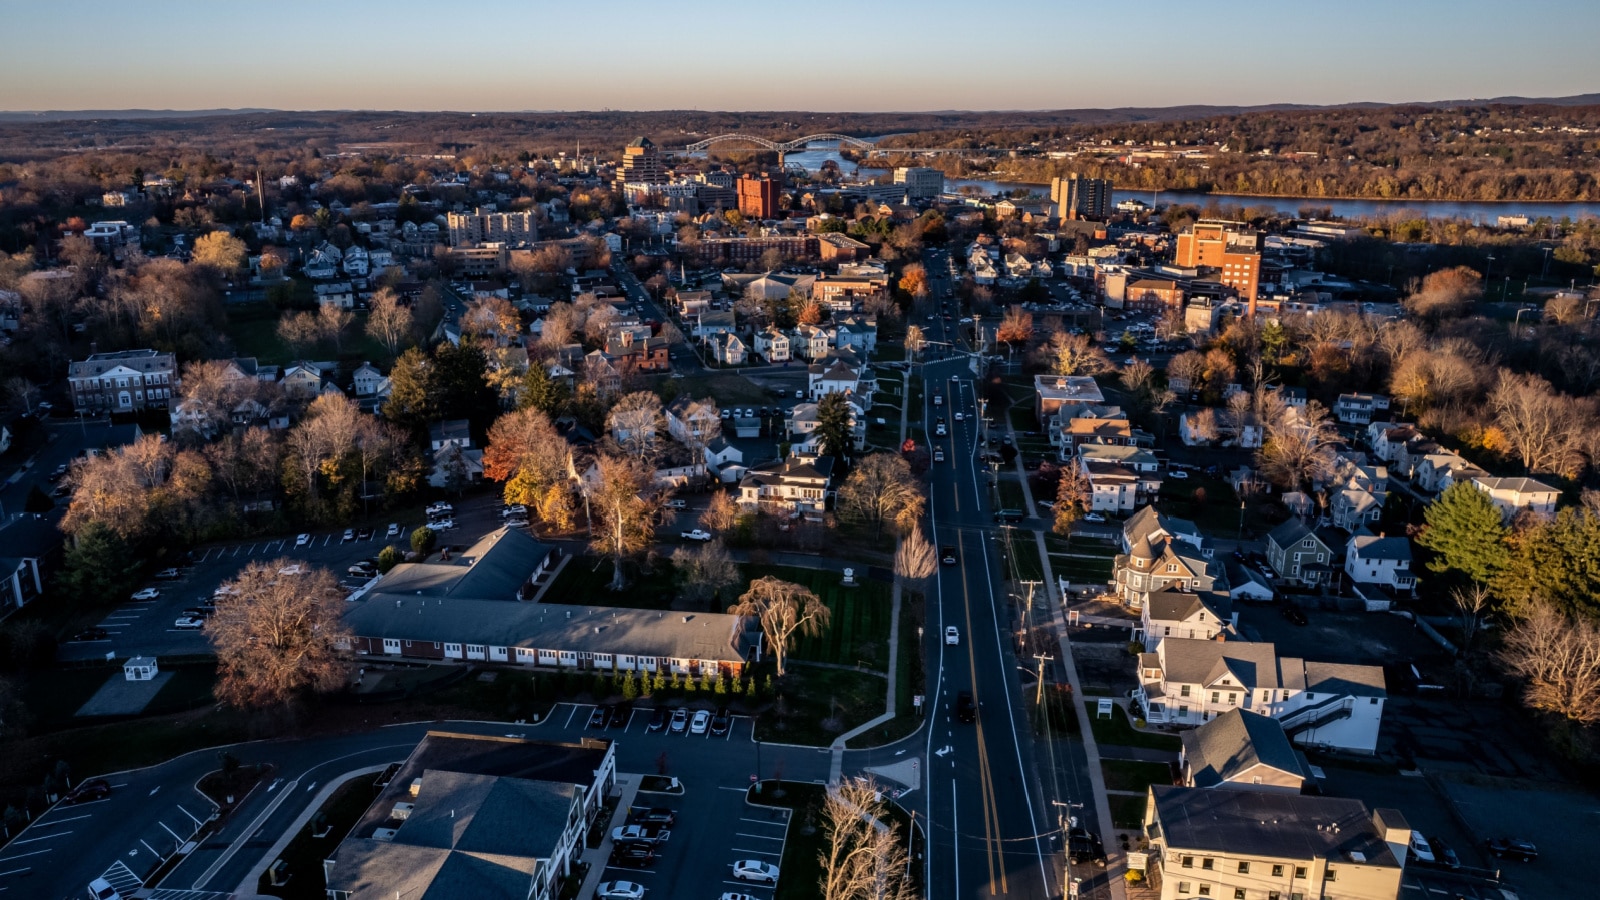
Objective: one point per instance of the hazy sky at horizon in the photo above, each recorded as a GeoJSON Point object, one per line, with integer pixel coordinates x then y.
{"type": "Point", "coordinates": [717, 54]}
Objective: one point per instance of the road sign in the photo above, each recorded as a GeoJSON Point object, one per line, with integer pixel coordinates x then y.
{"type": "Point", "coordinates": [1138, 861]}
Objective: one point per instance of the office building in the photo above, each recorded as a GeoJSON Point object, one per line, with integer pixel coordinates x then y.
{"type": "Point", "coordinates": [1231, 249]}
{"type": "Point", "coordinates": [486, 226]}
{"type": "Point", "coordinates": [1077, 197]}
{"type": "Point", "coordinates": [921, 182]}
{"type": "Point", "coordinates": [1270, 845]}
{"type": "Point", "coordinates": [641, 163]}
{"type": "Point", "coordinates": [758, 195]}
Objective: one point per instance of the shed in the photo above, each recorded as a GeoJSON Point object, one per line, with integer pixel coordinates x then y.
{"type": "Point", "coordinates": [140, 668]}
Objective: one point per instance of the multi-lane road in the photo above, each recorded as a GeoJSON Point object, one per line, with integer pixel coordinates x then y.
{"type": "Point", "coordinates": [989, 824]}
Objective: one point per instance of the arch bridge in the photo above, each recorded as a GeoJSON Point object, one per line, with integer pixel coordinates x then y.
{"type": "Point", "coordinates": [781, 147]}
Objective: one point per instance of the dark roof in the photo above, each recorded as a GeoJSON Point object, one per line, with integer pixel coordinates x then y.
{"type": "Point", "coordinates": [142, 360]}
{"type": "Point", "coordinates": [1227, 747]}
{"type": "Point", "coordinates": [641, 141]}
{"type": "Point", "coordinates": [1270, 824]}
{"type": "Point", "coordinates": [1290, 533]}
{"type": "Point", "coordinates": [449, 430]}
{"type": "Point", "coordinates": [1369, 547]}
{"type": "Point", "coordinates": [492, 569]}
{"type": "Point", "coordinates": [1176, 606]}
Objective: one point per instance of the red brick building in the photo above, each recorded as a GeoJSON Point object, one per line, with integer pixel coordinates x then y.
{"type": "Point", "coordinates": [758, 195]}
{"type": "Point", "coordinates": [1235, 252]}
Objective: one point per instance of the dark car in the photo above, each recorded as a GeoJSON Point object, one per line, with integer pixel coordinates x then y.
{"type": "Point", "coordinates": [1512, 848]}
{"type": "Point", "coordinates": [658, 719]}
{"type": "Point", "coordinates": [721, 722]}
{"type": "Point", "coordinates": [364, 534]}
{"type": "Point", "coordinates": [651, 815]}
{"type": "Point", "coordinates": [621, 714]}
{"type": "Point", "coordinates": [1443, 855]}
{"type": "Point", "coordinates": [1295, 614]}
{"type": "Point", "coordinates": [947, 555]}
{"type": "Point", "coordinates": [86, 791]}
{"type": "Point", "coordinates": [600, 718]}
{"type": "Point", "coordinates": [633, 854]}
{"type": "Point", "coordinates": [680, 720]}
{"type": "Point", "coordinates": [92, 634]}
{"type": "Point", "coordinates": [1085, 847]}
{"type": "Point", "coordinates": [966, 710]}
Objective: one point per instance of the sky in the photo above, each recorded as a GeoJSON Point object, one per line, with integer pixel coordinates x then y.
{"type": "Point", "coordinates": [710, 54]}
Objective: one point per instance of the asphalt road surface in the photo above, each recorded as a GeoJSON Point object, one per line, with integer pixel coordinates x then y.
{"type": "Point", "coordinates": [989, 829]}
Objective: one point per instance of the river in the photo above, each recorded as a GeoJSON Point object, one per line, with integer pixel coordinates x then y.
{"type": "Point", "coordinates": [813, 158]}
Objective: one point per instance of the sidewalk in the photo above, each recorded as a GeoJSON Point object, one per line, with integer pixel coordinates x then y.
{"type": "Point", "coordinates": [1117, 862]}
{"type": "Point", "coordinates": [597, 857]}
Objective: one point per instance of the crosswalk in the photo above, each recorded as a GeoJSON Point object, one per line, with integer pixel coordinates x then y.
{"type": "Point", "coordinates": [120, 877]}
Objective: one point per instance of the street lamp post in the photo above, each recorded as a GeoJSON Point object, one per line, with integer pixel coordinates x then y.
{"type": "Point", "coordinates": [1516, 324]}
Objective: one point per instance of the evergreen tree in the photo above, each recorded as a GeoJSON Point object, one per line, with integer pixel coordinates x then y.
{"type": "Point", "coordinates": [540, 391]}
{"type": "Point", "coordinates": [1557, 562]}
{"type": "Point", "coordinates": [100, 566]}
{"type": "Point", "coordinates": [1466, 534]}
{"type": "Point", "coordinates": [833, 426]}
{"type": "Point", "coordinates": [411, 391]}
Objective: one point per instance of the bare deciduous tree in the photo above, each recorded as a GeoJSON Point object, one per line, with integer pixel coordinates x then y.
{"type": "Point", "coordinates": [1299, 449]}
{"type": "Point", "coordinates": [1472, 605]}
{"type": "Point", "coordinates": [721, 514]}
{"type": "Point", "coordinates": [707, 570]}
{"type": "Point", "coordinates": [863, 856]}
{"type": "Point", "coordinates": [915, 560]}
{"type": "Point", "coordinates": [1072, 498]}
{"type": "Point", "coordinates": [279, 635]}
{"type": "Point", "coordinates": [1203, 425]}
{"type": "Point", "coordinates": [625, 511]}
{"type": "Point", "coordinates": [1187, 370]}
{"type": "Point", "coordinates": [881, 490]}
{"type": "Point", "coordinates": [636, 423]}
{"type": "Point", "coordinates": [388, 321]}
{"type": "Point", "coordinates": [1073, 354]}
{"type": "Point", "coordinates": [1559, 658]}
{"type": "Point", "coordinates": [783, 609]}
{"type": "Point", "coordinates": [1544, 428]}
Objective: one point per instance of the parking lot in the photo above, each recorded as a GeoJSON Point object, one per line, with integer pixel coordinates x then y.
{"type": "Point", "coordinates": [146, 628]}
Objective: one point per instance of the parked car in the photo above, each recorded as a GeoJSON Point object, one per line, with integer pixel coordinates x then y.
{"type": "Point", "coordinates": [1178, 475]}
{"type": "Point", "coordinates": [600, 718]}
{"type": "Point", "coordinates": [440, 509]}
{"type": "Point", "coordinates": [680, 721]}
{"type": "Point", "coordinates": [650, 834]}
{"type": "Point", "coordinates": [364, 534]}
{"type": "Point", "coordinates": [633, 855]}
{"type": "Point", "coordinates": [195, 612]}
{"type": "Point", "coordinates": [92, 634]}
{"type": "Point", "coordinates": [516, 509]}
{"type": "Point", "coordinates": [88, 791]}
{"type": "Point", "coordinates": [1295, 614]}
{"type": "Point", "coordinates": [441, 524]}
{"type": "Point", "coordinates": [619, 890]}
{"type": "Point", "coordinates": [1046, 504]}
{"type": "Point", "coordinates": [302, 540]}
{"type": "Point", "coordinates": [701, 722]}
{"type": "Point", "coordinates": [735, 895]}
{"type": "Point", "coordinates": [393, 532]}
{"type": "Point", "coordinates": [721, 722]}
{"type": "Point", "coordinates": [189, 623]}
{"type": "Point", "coordinates": [348, 536]}
{"type": "Point", "coordinates": [1444, 856]}
{"type": "Point", "coordinates": [651, 815]}
{"type": "Point", "coordinates": [951, 636]}
{"type": "Point", "coordinates": [361, 570]}
{"type": "Point", "coordinates": [146, 594]}
{"type": "Point", "coordinates": [658, 719]}
{"type": "Point", "coordinates": [168, 575]}
{"type": "Point", "coordinates": [695, 535]}
{"type": "Point", "coordinates": [1093, 517]}
{"type": "Point", "coordinates": [1512, 848]}
{"type": "Point", "coordinates": [677, 504]}
{"type": "Point", "coordinates": [755, 870]}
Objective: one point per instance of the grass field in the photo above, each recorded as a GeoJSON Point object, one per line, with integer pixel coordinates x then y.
{"type": "Point", "coordinates": [801, 864]}
{"type": "Point", "coordinates": [1127, 812]}
{"type": "Point", "coordinates": [1128, 775]}
{"type": "Point", "coordinates": [586, 581]}
{"type": "Point", "coordinates": [1010, 494]}
{"type": "Point", "coordinates": [1079, 570]}
{"type": "Point", "coordinates": [1025, 557]}
{"type": "Point", "coordinates": [859, 631]}
{"type": "Point", "coordinates": [726, 389]}
{"type": "Point", "coordinates": [253, 328]}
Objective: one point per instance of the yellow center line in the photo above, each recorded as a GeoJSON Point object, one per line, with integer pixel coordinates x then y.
{"type": "Point", "coordinates": [991, 812]}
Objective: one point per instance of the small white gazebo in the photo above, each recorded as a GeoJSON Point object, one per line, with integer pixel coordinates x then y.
{"type": "Point", "coordinates": [140, 668]}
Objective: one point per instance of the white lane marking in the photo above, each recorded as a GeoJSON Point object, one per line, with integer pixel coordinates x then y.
{"type": "Point", "coordinates": [956, 851]}
{"type": "Point", "coordinates": [757, 852]}
{"type": "Point", "coordinates": [196, 822]}
{"type": "Point", "coordinates": [759, 837]}
{"type": "Point", "coordinates": [169, 831]}
{"type": "Point", "coordinates": [42, 838]}
{"type": "Point", "coordinates": [40, 824]}
{"type": "Point", "coordinates": [24, 855]}
{"type": "Point", "coordinates": [311, 787]}
{"type": "Point", "coordinates": [154, 789]}
{"type": "Point", "coordinates": [16, 872]}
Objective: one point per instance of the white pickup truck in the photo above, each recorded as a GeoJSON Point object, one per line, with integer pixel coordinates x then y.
{"type": "Point", "coordinates": [695, 535]}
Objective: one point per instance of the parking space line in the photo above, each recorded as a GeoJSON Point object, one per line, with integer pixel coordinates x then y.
{"type": "Point", "coordinates": [16, 872]}
{"type": "Point", "coordinates": [761, 852]}
{"type": "Point", "coordinates": [39, 824]}
{"type": "Point", "coordinates": [759, 837]}
{"type": "Point", "coordinates": [43, 838]}
{"type": "Point", "coordinates": [24, 855]}
{"type": "Point", "coordinates": [196, 822]}
{"type": "Point", "coordinates": [169, 831]}
{"type": "Point", "coordinates": [749, 885]}
{"type": "Point", "coordinates": [761, 821]}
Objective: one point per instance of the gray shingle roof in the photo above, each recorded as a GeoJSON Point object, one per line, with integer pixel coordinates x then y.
{"type": "Point", "coordinates": [1269, 824]}
{"type": "Point", "coordinates": [1372, 547]}
{"type": "Point", "coordinates": [1194, 661]}
{"type": "Point", "coordinates": [1232, 744]}
{"type": "Point", "coordinates": [1177, 606]}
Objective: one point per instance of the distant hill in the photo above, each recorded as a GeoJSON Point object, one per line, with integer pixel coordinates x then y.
{"type": "Point", "coordinates": [67, 115]}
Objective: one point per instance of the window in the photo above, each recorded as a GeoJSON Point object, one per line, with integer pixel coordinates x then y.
{"type": "Point", "coordinates": [1188, 863]}
{"type": "Point", "coordinates": [1277, 871]}
{"type": "Point", "coordinates": [1205, 890]}
{"type": "Point", "coordinates": [1172, 567]}
{"type": "Point", "coordinates": [1233, 699]}
{"type": "Point", "coordinates": [1208, 863]}
{"type": "Point", "coordinates": [1183, 887]}
{"type": "Point", "coordinates": [1244, 868]}
{"type": "Point", "coordinates": [1215, 697]}
{"type": "Point", "coordinates": [1332, 874]}
{"type": "Point", "coordinates": [1299, 871]}
{"type": "Point", "coordinates": [1372, 700]}
{"type": "Point", "coordinates": [1272, 895]}
{"type": "Point", "coordinates": [1238, 894]}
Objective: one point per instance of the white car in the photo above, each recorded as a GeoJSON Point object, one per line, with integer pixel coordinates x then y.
{"type": "Point", "coordinates": [677, 504]}
{"type": "Point", "coordinates": [394, 531]}
{"type": "Point", "coordinates": [939, 430]}
{"type": "Point", "coordinates": [1093, 517]}
{"type": "Point", "coordinates": [349, 535]}
{"type": "Point", "coordinates": [966, 320]}
{"type": "Point", "coordinates": [959, 417]}
{"type": "Point", "coordinates": [1178, 474]}
{"type": "Point", "coordinates": [189, 623]}
{"type": "Point", "coordinates": [735, 895]}
{"type": "Point", "coordinates": [291, 569]}
{"type": "Point", "coordinates": [302, 540]}
{"type": "Point", "coordinates": [101, 889]}
{"type": "Point", "coordinates": [695, 535]}
{"type": "Point", "coordinates": [619, 890]}
{"type": "Point", "coordinates": [755, 870]}
{"type": "Point", "coordinates": [440, 509]}
{"type": "Point", "coordinates": [951, 636]}
{"type": "Point", "coordinates": [700, 722]}
{"type": "Point", "coordinates": [146, 594]}
{"type": "Point", "coordinates": [441, 524]}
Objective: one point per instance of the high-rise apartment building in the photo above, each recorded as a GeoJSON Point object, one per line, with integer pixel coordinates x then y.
{"type": "Point", "coordinates": [1078, 197]}
{"type": "Point", "coordinates": [758, 195]}
{"type": "Point", "coordinates": [1233, 250]}
{"type": "Point", "coordinates": [485, 227]}
{"type": "Point", "coordinates": [922, 182]}
{"type": "Point", "coordinates": [641, 163]}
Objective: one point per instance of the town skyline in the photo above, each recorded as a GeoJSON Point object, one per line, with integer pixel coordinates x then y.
{"type": "Point", "coordinates": [346, 59]}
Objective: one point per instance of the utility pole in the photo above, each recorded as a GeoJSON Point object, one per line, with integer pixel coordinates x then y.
{"type": "Point", "coordinates": [1039, 695]}
{"type": "Point", "coordinates": [1027, 614]}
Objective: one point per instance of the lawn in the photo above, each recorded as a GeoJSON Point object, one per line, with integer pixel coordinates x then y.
{"type": "Point", "coordinates": [1118, 731]}
{"type": "Point", "coordinates": [1024, 562]}
{"type": "Point", "coordinates": [1080, 570]}
{"type": "Point", "coordinates": [253, 328]}
{"type": "Point", "coordinates": [1212, 505]}
{"type": "Point", "coordinates": [909, 682]}
{"type": "Point", "coordinates": [816, 705]}
{"type": "Point", "coordinates": [859, 632]}
{"type": "Point", "coordinates": [1128, 775]}
{"type": "Point", "coordinates": [586, 581]}
{"type": "Point", "coordinates": [726, 389]}
{"type": "Point", "coordinates": [305, 853]}
{"type": "Point", "coordinates": [1127, 813]}
{"type": "Point", "coordinates": [1010, 494]}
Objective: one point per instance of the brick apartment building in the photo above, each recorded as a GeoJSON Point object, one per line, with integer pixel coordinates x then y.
{"type": "Point", "coordinates": [484, 226]}
{"type": "Point", "coordinates": [123, 382]}
{"type": "Point", "coordinates": [1233, 251]}
{"type": "Point", "coordinates": [758, 195]}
